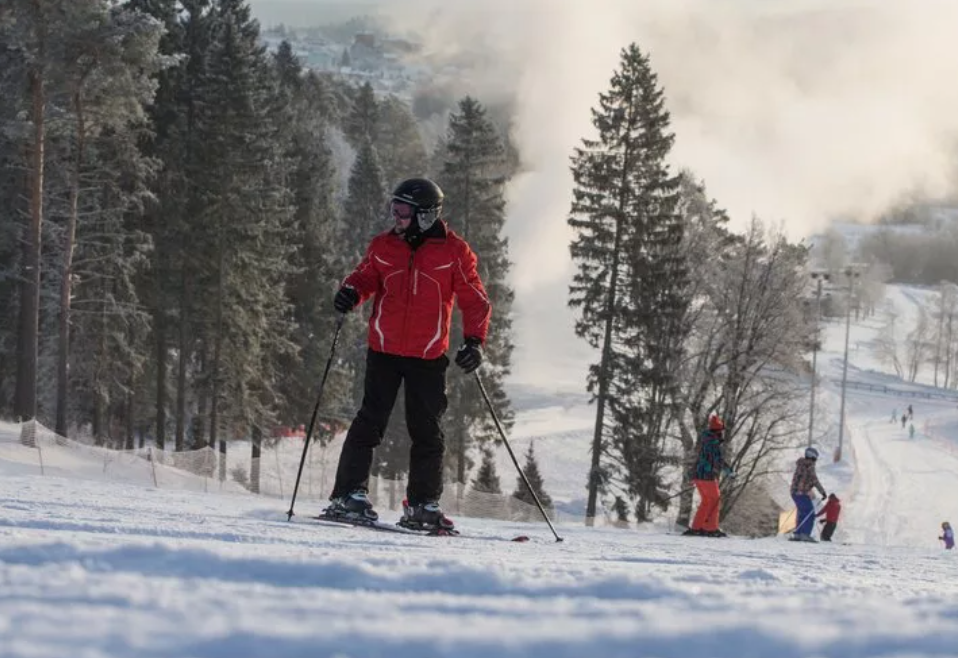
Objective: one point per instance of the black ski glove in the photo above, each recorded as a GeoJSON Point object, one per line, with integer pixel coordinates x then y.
{"type": "Point", "coordinates": [469, 356]}
{"type": "Point", "coordinates": [345, 299]}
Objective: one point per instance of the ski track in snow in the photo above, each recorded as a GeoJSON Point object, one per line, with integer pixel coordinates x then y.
{"type": "Point", "coordinates": [101, 569]}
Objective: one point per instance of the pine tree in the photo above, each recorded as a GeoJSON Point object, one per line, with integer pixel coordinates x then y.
{"type": "Point", "coordinates": [109, 58]}
{"type": "Point", "coordinates": [364, 218]}
{"type": "Point", "coordinates": [167, 287]}
{"type": "Point", "coordinates": [473, 179]}
{"type": "Point", "coordinates": [316, 260]}
{"type": "Point", "coordinates": [399, 143]}
{"type": "Point", "coordinates": [33, 30]}
{"type": "Point", "coordinates": [243, 228]}
{"type": "Point", "coordinates": [629, 289]}
{"type": "Point", "coordinates": [360, 126]}
{"type": "Point", "coordinates": [14, 142]}
{"type": "Point", "coordinates": [487, 480]}
{"type": "Point", "coordinates": [531, 470]}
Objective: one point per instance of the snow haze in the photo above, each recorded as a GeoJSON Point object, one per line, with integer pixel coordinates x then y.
{"type": "Point", "coordinates": [799, 111]}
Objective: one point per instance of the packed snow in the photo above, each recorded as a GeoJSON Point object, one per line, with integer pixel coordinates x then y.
{"type": "Point", "coordinates": [95, 565]}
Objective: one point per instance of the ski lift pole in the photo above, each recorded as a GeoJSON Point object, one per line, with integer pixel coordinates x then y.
{"type": "Point", "coordinates": [502, 434]}
{"type": "Point", "coordinates": [312, 421]}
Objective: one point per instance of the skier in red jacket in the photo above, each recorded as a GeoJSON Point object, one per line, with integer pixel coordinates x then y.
{"type": "Point", "coordinates": [412, 272]}
{"type": "Point", "coordinates": [831, 510]}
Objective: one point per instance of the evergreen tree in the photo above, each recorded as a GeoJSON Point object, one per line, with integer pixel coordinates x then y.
{"type": "Point", "coordinates": [630, 287]}
{"type": "Point", "coordinates": [531, 470]}
{"type": "Point", "coordinates": [14, 141]}
{"type": "Point", "coordinates": [473, 179]}
{"type": "Point", "coordinates": [362, 121]}
{"type": "Point", "coordinates": [167, 287]}
{"type": "Point", "coordinates": [109, 58]}
{"type": "Point", "coordinates": [307, 106]}
{"type": "Point", "coordinates": [363, 219]}
{"type": "Point", "coordinates": [243, 230]}
{"type": "Point", "coordinates": [487, 480]}
{"type": "Point", "coordinates": [33, 32]}
{"type": "Point", "coordinates": [399, 143]}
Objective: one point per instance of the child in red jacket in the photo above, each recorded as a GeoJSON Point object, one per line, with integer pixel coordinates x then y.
{"type": "Point", "coordinates": [831, 510]}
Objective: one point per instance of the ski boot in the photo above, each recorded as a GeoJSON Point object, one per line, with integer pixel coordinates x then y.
{"type": "Point", "coordinates": [353, 507]}
{"type": "Point", "coordinates": [716, 533]}
{"type": "Point", "coordinates": [426, 516]}
{"type": "Point", "coordinates": [693, 532]}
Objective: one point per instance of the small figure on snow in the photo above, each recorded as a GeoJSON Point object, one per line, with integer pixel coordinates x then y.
{"type": "Point", "coordinates": [911, 412]}
{"type": "Point", "coordinates": [904, 420]}
{"type": "Point", "coordinates": [911, 431]}
{"type": "Point", "coordinates": [947, 535]}
{"type": "Point", "coordinates": [803, 481]}
{"type": "Point", "coordinates": [705, 474]}
{"type": "Point", "coordinates": [894, 415]}
{"type": "Point", "coordinates": [414, 271]}
{"type": "Point", "coordinates": [831, 510]}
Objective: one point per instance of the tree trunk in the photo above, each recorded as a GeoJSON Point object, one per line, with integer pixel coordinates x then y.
{"type": "Point", "coordinates": [26, 398]}
{"type": "Point", "coordinates": [100, 395]}
{"type": "Point", "coordinates": [948, 353]}
{"type": "Point", "coordinates": [215, 367]}
{"type": "Point", "coordinates": [159, 324]}
{"type": "Point", "coordinates": [183, 358]}
{"type": "Point", "coordinates": [604, 374]}
{"type": "Point", "coordinates": [255, 456]}
{"type": "Point", "coordinates": [66, 287]}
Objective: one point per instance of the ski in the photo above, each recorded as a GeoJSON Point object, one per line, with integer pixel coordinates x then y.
{"type": "Point", "coordinates": [380, 526]}
{"type": "Point", "coordinates": [385, 527]}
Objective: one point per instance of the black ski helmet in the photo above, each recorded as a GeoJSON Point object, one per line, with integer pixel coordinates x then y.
{"type": "Point", "coordinates": [423, 195]}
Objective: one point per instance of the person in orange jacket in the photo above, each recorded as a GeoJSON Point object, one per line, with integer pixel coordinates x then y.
{"type": "Point", "coordinates": [831, 510]}
{"type": "Point", "coordinates": [705, 476]}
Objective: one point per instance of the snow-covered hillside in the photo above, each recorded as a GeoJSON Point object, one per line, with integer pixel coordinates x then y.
{"type": "Point", "coordinates": [96, 562]}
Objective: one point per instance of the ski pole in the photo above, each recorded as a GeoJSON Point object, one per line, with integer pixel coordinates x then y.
{"type": "Point", "coordinates": [502, 434]}
{"type": "Point", "coordinates": [807, 517]}
{"type": "Point", "coordinates": [679, 493]}
{"type": "Point", "coordinates": [312, 421]}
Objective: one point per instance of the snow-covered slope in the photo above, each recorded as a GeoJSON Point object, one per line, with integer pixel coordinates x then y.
{"type": "Point", "coordinates": [106, 569]}
{"type": "Point", "coordinates": [98, 566]}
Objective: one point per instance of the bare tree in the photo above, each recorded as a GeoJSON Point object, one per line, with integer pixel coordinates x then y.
{"type": "Point", "coordinates": [887, 346]}
{"type": "Point", "coordinates": [917, 345]}
{"type": "Point", "coordinates": [745, 354]}
{"type": "Point", "coordinates": [945, 306]}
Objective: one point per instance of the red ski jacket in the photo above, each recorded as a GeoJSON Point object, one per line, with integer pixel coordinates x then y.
{"type": "Point", "coordinates": [413, 292]}
{"type": "Point", "coordinates": [831, 510]}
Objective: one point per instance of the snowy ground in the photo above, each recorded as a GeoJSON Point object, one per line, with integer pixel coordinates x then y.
{"type": "Point", "coordinates": [105, 568]}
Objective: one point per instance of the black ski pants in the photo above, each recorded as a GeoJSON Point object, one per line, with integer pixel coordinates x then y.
{"type": "Point", "coordinates": [425, 393]}
{"type": "Point", "coordinates": [827, 530]}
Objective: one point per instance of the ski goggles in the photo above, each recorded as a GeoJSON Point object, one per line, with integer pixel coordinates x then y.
{"type": "Point", "coordinates": [401, 209]}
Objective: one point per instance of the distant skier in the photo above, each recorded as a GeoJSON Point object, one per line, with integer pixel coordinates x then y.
{"type": "Point", "coordinates": [832, 510]}
{"type": "Point", "coordinates": [911, 412]}
{"type": "Point", "coordinates": [904, 420]}
{"type": "Point", "coordinates": [894, 415]}
{"type": "Point", "coordinates": [911, 431]}
{"type": "Point", "coordinates": [947, 535]}
{"type": "Point", "coordinates": [803, 481]}
{"type": "Point", "coordinates": [705, 475]}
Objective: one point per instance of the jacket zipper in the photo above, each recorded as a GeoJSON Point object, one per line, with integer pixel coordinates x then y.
{"type": "Point", "coordinates": [410, 286]}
